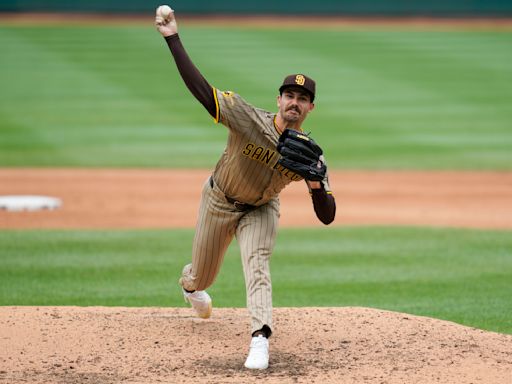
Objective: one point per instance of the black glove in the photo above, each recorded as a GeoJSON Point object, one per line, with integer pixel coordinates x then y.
{"type": "Point", "coordinates": [300, 154]}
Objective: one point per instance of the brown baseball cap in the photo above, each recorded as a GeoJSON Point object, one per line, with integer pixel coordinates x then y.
{"type": "Point", "coordinates": [301, 81]}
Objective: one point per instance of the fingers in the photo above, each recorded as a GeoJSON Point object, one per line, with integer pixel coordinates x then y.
{"type": "Point", "coordinates": [159, 21]}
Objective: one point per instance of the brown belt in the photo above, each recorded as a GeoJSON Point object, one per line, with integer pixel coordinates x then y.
{"type": "Point", "coordinates": [239, 206]}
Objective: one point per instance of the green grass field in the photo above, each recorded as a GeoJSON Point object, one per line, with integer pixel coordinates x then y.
{"type": "Point", "coordinates": [387, 99]}
{"type": "Point", "coordinates": [459, 275]}
{"type": "Point", "coordinates": [111, 96]}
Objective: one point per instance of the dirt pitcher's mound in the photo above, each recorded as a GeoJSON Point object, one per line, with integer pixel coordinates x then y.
{"type": "Point", "coordinates": [310, 345]}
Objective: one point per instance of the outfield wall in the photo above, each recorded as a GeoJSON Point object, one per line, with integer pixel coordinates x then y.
{"type": "Point", "coordinates": [490, 8]}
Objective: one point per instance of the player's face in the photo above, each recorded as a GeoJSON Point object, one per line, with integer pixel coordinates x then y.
{"type": "Point", "coordinates": [294, 105]}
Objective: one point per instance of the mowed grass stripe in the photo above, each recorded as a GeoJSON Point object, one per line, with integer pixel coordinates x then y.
{"type": "Point", "coordinates": [79, 113]}
{"type": "Point", "coordinates": [459, 275]}
{"type": "Point", "coordinates": [111, 96]}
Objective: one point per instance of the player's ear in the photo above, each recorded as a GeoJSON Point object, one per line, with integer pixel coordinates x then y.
{"type": "Point", "coordinates": [278, 100]}
{"type": "Point", "coordinates": [311, 106]}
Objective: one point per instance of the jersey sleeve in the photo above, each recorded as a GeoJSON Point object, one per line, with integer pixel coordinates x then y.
{"type": "Point", "coordinates": [232, 110]}
{"type": "Point", "coordinates": [324, 203]}
{"type": "Point", "coordinates": [193, 79]}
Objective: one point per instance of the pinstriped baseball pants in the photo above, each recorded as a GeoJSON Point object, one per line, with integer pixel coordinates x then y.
{"type": "Point", "coordinates": [255, 231]}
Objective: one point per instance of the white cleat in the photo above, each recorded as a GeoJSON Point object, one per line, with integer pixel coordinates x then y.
{"type": "Point", "coordinates": [258, 353]}
{"type": "Point", "coordinates": [200, 301]}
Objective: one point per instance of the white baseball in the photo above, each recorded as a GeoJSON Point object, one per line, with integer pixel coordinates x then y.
{"type": "Point", "coordinates": [164, 11]}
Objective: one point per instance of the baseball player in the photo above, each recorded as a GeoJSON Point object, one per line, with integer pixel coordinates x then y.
{"type": "Point", "coordinates": [240, 199]}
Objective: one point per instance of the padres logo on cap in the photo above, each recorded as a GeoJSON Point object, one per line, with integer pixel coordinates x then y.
{"type": "Point", "coordinates": [300, 79]}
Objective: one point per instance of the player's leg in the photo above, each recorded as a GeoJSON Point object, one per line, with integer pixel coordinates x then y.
{"type": "Point", "coordinates": [256, 234]}
{"type": "Point", "coordinates": [214, 231]}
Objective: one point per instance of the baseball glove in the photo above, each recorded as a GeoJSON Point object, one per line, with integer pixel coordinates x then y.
{"type": "Point", "coordinates": [300, 154]}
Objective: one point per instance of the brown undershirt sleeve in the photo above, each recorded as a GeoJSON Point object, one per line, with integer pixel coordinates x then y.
{"type": "Point", "coordinates": [324, 205]}
{"type": "Point", "coordinates": [193, 79]}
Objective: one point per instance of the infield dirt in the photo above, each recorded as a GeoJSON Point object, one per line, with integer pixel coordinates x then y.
{"type": "Point", "coordinates": [124, 198]}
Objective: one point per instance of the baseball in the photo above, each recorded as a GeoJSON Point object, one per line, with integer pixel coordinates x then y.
{"type": "Point", "coordinates": [164, 11]}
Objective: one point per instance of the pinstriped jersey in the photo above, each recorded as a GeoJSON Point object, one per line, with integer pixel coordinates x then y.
{"type": "Point", "coordinates": [248, 170]}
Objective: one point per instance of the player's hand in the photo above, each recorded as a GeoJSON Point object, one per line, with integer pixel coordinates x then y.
{"type": "Point", "coordinates": [165, 22]}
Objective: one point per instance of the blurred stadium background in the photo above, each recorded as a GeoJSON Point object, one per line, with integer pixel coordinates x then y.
{"type": "Point", "coordinates": [494, 8]}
